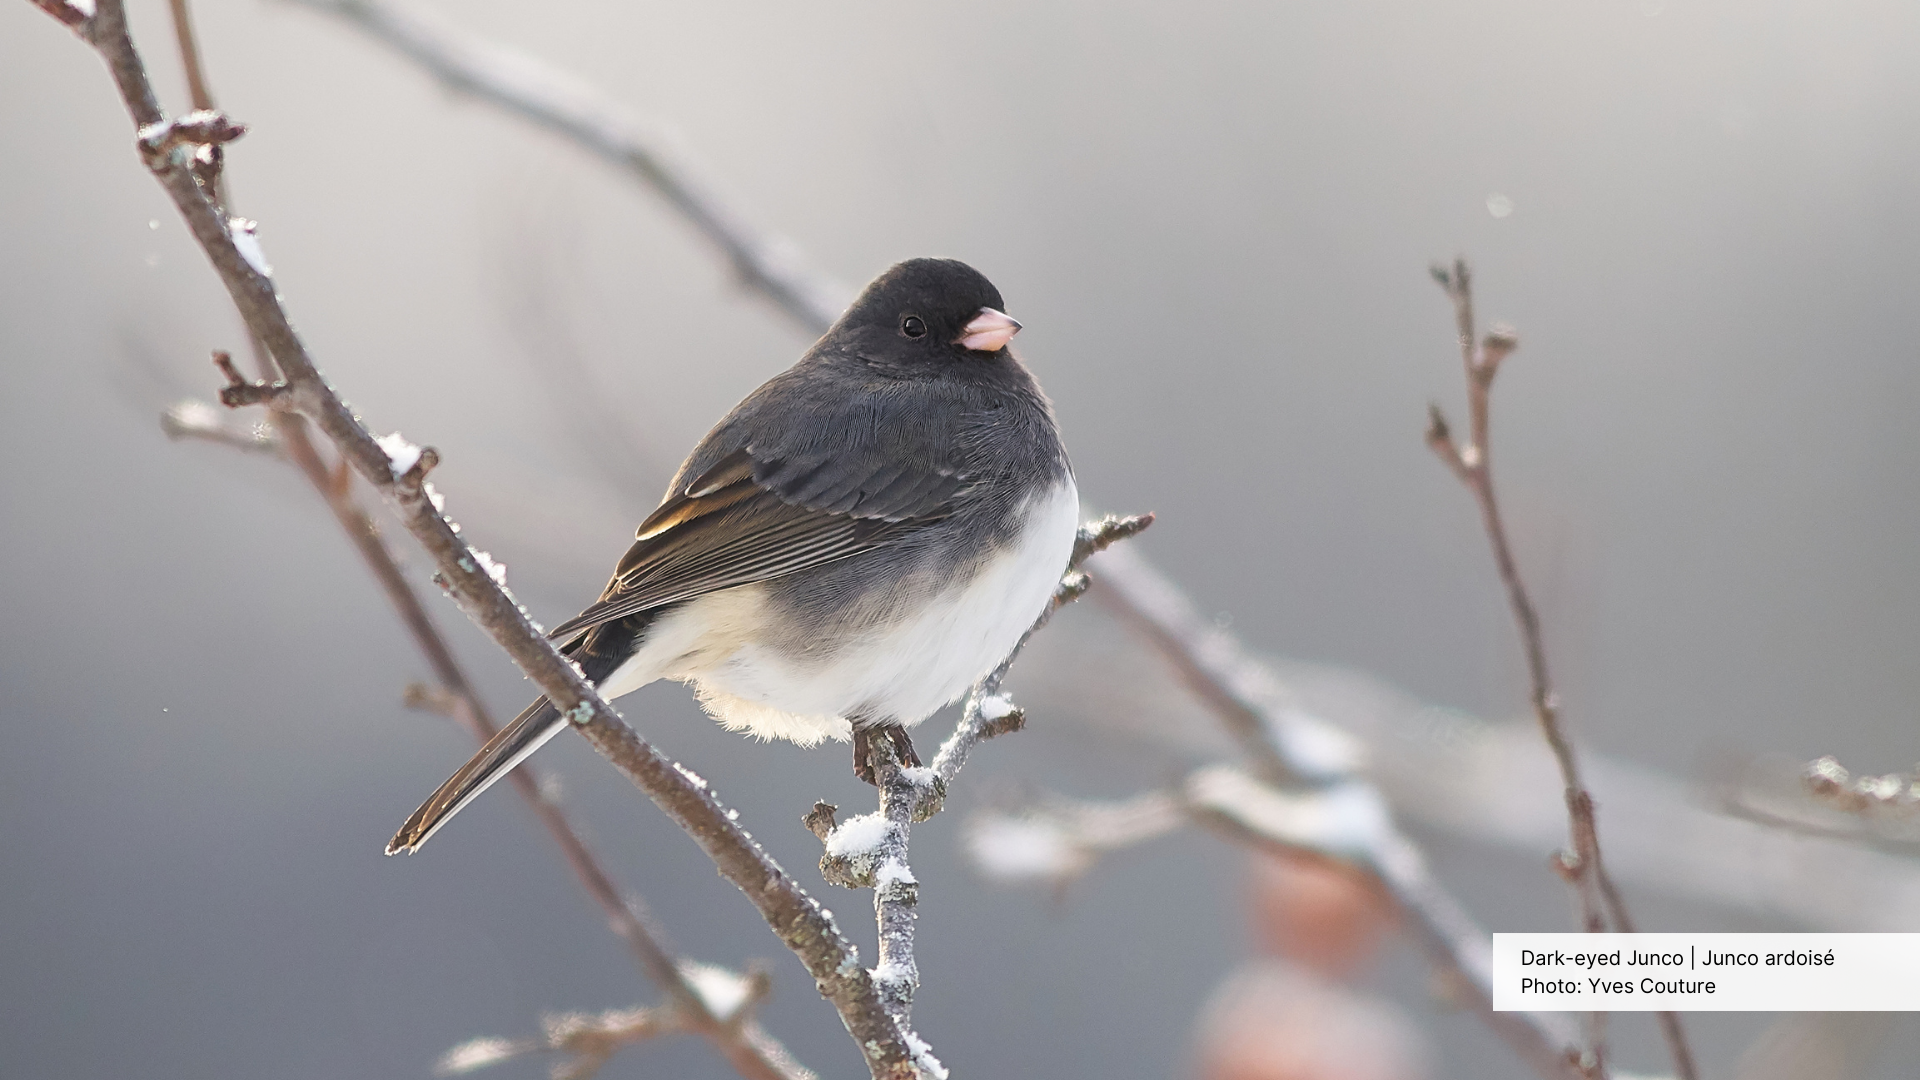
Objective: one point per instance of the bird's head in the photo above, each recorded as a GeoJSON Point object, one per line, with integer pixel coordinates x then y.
{"type": "Point", "coordinates": [926, 311]}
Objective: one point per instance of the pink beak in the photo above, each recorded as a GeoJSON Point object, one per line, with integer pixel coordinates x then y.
{"type": "Point", "coordinates": [989, 331]}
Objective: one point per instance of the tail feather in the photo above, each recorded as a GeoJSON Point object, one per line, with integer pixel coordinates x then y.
{"type": "Point", "coordinates": [512, 745]}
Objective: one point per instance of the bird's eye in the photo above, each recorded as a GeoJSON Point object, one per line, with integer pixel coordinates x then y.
{"type": "Point", "coordinates": [912, 326]}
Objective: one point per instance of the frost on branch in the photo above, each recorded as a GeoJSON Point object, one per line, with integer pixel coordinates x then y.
{"type": "Point", "coordinates": [923, 1057]}
{"type": "Point", "coordinates": [402, 454]}
{"type": "Point", "coordinates": [247, 243]}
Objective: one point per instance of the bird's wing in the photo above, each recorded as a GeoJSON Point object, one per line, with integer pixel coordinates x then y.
{"type": "Point", "coordinates": [753, 515]}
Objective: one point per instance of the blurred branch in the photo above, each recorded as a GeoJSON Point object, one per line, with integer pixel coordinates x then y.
{"type": "Point", "coordinates": [753, 1052]}
{"type": "Point", "coordinates": [1056, 839]}
{"type": "Point", "coordinates": [653, 153]}
{"type": "Point", "coordinates": [1287, 743]}
{"type": "Point", "coordinates": [797, 918]}
{"type": "Point", "coordinates": [1472, 463]}
{"type": "Point", "coordinates": [589, 1040]}
{"type": "Point", "coordinates": [1346, 820]}
{"type": "Point", "coordinates": [1821, 798]}
{"type": "Point", "coordinates": [1895, 795]}
{"type": "Point", "coordinates": [193, 419]}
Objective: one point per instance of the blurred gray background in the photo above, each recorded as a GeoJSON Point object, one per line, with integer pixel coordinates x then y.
{"type": "Point", "coordinates": [1215, 222]}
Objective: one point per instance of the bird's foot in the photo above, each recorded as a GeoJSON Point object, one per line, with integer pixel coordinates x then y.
{"type": "Point", "coordinates": [863, 749]}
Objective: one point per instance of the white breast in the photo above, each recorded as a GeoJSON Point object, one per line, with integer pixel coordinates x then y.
{"type": "Point", "coordinates": [898, 672]}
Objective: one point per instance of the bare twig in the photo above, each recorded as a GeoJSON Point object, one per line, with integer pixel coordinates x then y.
{"type": "Point", "coordinates": [806, 927]}
{"type": "Point", "coordinates": [1472, 463]}
{"type": "Point", "coordinates": [751, 1050]}
{"type": "Point", "coordinates": [75, 15]}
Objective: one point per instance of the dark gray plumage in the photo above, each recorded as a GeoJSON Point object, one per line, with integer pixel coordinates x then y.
{"type": "Point", "coordinates": [856, 542]}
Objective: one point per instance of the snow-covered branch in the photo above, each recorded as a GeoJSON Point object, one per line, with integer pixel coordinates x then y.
{"type": "Point", "coordinates": [799, 920]}
{"type": "Point", "coordinates": [752, 1051]}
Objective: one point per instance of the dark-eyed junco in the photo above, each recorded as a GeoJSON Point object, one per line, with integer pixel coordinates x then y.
{"type": "Point", "coordinates": [852, 547]}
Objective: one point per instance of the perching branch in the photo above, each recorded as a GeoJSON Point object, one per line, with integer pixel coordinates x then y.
{"type": "Point", "coordinates": [752, 1051]}
{"type": "Point", "coordinates": [806, 927]}
{"type": "Point", "coordinates": [1472, 463]}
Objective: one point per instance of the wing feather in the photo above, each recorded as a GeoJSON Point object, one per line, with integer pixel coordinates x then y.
{"type": "Point", "coordinates": [744, 521]}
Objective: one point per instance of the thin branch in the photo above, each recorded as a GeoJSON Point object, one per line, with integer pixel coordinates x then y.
{"type": "Point", "coordinates": [799, 920]}
{"type": "Point", "coordinates": [1472, 463]}
{"type": "Point", "coordinates": [588, 1042]}
{"type": "Point", "coordinates": [766, 262]}
{"type": "Point", "coordinates": [752, 1051]}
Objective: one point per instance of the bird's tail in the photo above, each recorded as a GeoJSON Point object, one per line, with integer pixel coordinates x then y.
{"type": "Point", "coordinates": [528, 732]}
